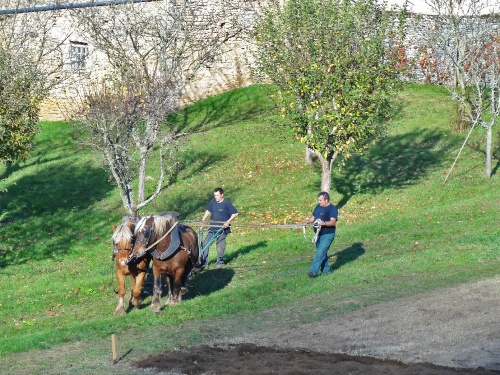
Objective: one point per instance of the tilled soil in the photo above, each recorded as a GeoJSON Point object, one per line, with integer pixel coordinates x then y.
{"type": "Point", "coordinates": [250, 359]}
{"type": "Point", "coordinates": [449, 331]}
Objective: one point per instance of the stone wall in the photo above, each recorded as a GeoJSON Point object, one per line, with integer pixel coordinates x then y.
{"type": "Point", "coordinates": [233, 70]}
{"type": "Point", "coordinates": [428, 47]}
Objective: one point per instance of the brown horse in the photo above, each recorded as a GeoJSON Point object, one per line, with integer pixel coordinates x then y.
{"type": "Point", "coordinates": [123, 239]}
{"type": "Point", "coordinates": [174, 249]}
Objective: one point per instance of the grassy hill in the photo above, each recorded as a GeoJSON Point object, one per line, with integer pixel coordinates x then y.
{"type": "Point", "coordinates": [401, 230]}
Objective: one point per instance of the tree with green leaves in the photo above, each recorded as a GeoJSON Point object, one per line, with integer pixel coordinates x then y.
{"type": "Point", "coordinates": [20, 98]}
{"type": "Point", "coordinates": [30, 65]}
{"type": "Point", "coordinates": [336, 64]}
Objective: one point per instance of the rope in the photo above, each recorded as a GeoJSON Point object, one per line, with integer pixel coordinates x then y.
{"type": "Point", "coordinates": [263, 226]}
{"type": "Point", "coordinates": [258, 226]}
{"type": "Point", "coordinates": [318, 229]}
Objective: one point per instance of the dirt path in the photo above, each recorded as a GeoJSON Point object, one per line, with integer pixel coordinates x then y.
{"type": "Point", "coordinates": [448, 331]}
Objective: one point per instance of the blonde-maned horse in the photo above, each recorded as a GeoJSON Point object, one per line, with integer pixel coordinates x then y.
{"type": "Point", "coordinates": [123, 241]}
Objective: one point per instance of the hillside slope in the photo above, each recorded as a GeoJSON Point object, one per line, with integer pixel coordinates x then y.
{"type": "Point", "coordinates": [401, 232]}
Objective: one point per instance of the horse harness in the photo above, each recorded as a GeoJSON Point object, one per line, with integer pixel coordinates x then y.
{"type": "Point", "coordinates": [170, 251]}
{"type": "Point", "coordinates": [116, 251]}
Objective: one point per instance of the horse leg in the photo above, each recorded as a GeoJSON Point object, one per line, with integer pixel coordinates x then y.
{"type": "Point", "coordinates": [184, 287]}
{"type": "Point", "coordinates": [177, 288]}
{"type": "Point", "coordinates": [135, 295]}
{"type": "Point", "coordinates": [156, 303]}
{"type": "Point", "coordinates": [169, 281]}
{"type": "Point", "coordinates": [187, 271]}
{"type": "Point", "coordinates": [120, 277]}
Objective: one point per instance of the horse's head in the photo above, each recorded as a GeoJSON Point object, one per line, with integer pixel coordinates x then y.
{"type": "Point", "coordinates": [123, 238]}
{"type": "Point", "coordinates": [143, 232]}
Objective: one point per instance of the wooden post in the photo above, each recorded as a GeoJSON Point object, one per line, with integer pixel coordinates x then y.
{"type": "Point", "coordinates": [113, 347]}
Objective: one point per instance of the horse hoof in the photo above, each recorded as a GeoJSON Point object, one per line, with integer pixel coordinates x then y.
{"type": "Point", "coordinates": [184, 290]}
{"type": "Point", "coordinates": [156, 309]}
{"type": "Point", "coordinates": [120, 312]}
{"type": "Point", "coordinates": [135, 303]}
{"type": "Point", "coordinates": [173, 302]}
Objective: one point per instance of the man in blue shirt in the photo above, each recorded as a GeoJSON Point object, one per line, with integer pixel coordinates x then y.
{"type": "Point", "coordinates": [325, 216]}
{"type": "Point", "coordinates": [221, 212]}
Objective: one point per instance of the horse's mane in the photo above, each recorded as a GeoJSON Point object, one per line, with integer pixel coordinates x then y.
{"type": "Point", "coordinates": [122, 233]}
{"type": "Point", "coordinates": [140, 225]}
{"type": "Point", "coordinates": [161, 224]}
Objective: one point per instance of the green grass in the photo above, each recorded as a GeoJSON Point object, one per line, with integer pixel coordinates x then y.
{"type": "Point", "coordinates": [401, 231]}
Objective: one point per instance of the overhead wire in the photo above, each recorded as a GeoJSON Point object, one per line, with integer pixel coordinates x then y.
{"type": "Point", "coordinates": [88, 4]}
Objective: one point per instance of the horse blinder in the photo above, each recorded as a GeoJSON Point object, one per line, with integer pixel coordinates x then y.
{"type": "Point", "coordinates": [136, 255]}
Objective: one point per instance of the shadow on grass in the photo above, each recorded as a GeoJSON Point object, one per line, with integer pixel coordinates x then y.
{"type": "Point", "coordinates": [9, 169]}
{"type": "Point", "coordinates": [204, 283]}
{"type": "Point", "coordinates": [348, 255]}
{"type": "Point", "coordinates": [393, 162]}
{"type": "Point", "coordinates": [44, 214]}
{"type": "Point", "coordinates": [208, 282]}
{"type": "Point", "coordinates": [246, 250]}
{"type": "Point", "coordinates": [58, 145]}
{"type": "Point", "coordinates": [228, 108]}
{"type": "Point", "coordinates": [213, 279]}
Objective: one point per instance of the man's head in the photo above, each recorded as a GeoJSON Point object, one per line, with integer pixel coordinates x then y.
{"type": "Point", "coordinates": [219, 194]}
{"type": "Point", "coordinates": [323, 199]}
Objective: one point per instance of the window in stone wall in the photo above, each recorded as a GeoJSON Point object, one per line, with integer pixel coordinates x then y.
{"type": "Point", "coordinates": [78, 55]}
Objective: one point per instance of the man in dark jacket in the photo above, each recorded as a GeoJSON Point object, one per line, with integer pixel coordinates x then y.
{"type": "Point", "coordinates": [222, 213]}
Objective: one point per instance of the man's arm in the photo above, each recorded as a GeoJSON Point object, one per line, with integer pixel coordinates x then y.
{"type": "Point", "coordinates": [233, 216]}
{"type": "Point", "coordinates": [207, 214]}
{"type": "Point", "coordinates": [329, 223]}
{"type": "Point", "coordinates": [310, 220]}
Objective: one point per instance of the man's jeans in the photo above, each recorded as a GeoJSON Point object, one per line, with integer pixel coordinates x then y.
{"type": "Point", "coordinates": [220, 245]}
{"type": "Point", "coordinates": [320, 261]}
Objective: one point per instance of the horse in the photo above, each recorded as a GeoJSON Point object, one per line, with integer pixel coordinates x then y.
{"type": "Point", "coordinates": [174, 249]}
{"type": "Point", "coordinates": [123, 239]}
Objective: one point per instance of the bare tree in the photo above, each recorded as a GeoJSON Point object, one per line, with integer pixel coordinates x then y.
{"type": "Point", "coordinates": [466, 44]}
{"type": "Point", "coordinates": [37, 37]}
{"type": "Point", "coordinates": [151, 52]}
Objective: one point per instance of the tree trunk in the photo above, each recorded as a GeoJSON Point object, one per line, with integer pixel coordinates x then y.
{"type": "Point", "coordinates": [326, 170]}
{"type": "Point", "coordinates": [141, 186]}
{"type": "Point", "coordinates": [489, 135]}
{"type": "Point", "coordinates": [309, 156]}
{"type": "Point", "coordinates": [326, 175]}
{"type": "Point", "coordinates": [309, 152]}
